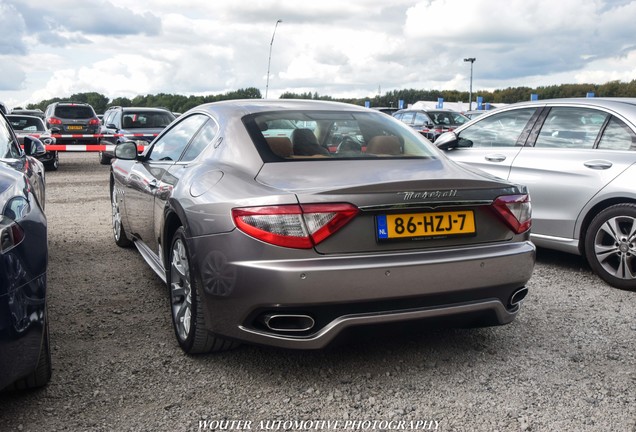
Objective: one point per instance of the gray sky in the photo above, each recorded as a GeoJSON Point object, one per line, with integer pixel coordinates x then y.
{"type": "Point", "coordinates": [340, 48]}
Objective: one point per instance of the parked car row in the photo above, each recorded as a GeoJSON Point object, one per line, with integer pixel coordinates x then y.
{"type": "Point", "coordinates": [79, 119]}
{"type": "Point", "coordinates": [289, 223]}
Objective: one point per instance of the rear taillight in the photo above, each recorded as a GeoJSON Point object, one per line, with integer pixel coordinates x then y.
{"type": "Point", "coordinates": [11, 235]}
{"type": "Point", "coordinates": [54, 121]}
{"type": "Point", "coordinates": [515, 210]}
{"type": "Point", "coordinates": [93, 122]}
{"type": "Point", "coordinates": [293, 226]}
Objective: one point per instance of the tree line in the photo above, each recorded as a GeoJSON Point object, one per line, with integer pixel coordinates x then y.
{"type": "Point", "coordinates": [181, 103]}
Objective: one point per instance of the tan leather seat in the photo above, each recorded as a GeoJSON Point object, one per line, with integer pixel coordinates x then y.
{"type": "Point", "coordinates": [281, 146]}
{"type": "Point", "coordinates": [384, 145]}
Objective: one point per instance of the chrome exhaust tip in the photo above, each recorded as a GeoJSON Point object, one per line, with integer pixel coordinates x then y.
{"type": "Point", "coordinates": [517, 297]}
{"type": "Point", "coordinates": [288, 323]}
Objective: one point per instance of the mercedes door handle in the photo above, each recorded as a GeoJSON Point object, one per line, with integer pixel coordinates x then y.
{"type": "Point", "coordinates": [497, 157]}
{"type": "Point", "coordinates": [598, 164]}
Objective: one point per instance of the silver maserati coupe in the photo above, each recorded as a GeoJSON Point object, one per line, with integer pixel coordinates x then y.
{"type": "Point", "coordinates": [286, 222]}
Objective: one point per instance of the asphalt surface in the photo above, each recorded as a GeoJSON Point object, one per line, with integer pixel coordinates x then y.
{"type": "Point", "coordinates": [567, 363]}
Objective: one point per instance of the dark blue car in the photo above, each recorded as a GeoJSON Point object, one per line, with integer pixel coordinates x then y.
{"type": "Point", "coordinates": [25, 358]}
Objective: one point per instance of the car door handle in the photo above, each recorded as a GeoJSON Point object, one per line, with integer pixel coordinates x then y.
{"type": "Point", "coordinates": [598, 164]}
{"type": "Point", "coordinates": [495, 157]}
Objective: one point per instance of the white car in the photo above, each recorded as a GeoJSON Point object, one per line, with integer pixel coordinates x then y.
{"type": "Point", "coordinates": [577, 157]}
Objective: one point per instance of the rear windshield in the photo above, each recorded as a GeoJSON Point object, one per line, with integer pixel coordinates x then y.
{"type": "Point", "coordinates": [146, 119]}
{"type": "Point", "coordinates": [74, 112]}
{"type": "Point", "coordinates": [31, 124]}
{"type": "Point", "coordinates": [320, 135]}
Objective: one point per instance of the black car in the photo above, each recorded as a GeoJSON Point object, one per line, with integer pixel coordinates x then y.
{"type": "Point", "coordinates": [132, 123]}
{"type": "Point", "coordinates": [25, 356]}
{"type": "Point", "coordinates": [26, 125]}
{"type": "Point", "coordinates": [431, 123]}
{"type": "Point", "coordinates": [73, 118]}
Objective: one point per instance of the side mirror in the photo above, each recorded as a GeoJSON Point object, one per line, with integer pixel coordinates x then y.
{"type": "Point", "coordinates": [126, 150]}
{"type": "Point", "coordinates": [111, 126]}
{"type": "Point", "coordinates": [447, 141]}
{"type": "Point", "coordinates": [55, 130]}
{"type": "Point", "coordinates": [33, 146]}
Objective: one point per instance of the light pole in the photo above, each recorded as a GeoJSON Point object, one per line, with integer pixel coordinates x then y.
{"type": "Point", "coordinates": [269, 61]}
{"type": "Point", "coordinates": [470, 91]}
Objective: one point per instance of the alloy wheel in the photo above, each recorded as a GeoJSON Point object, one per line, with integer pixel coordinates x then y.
{"type": "Point", "coordinates": [615, 247]}
{"type": "Point", "coordinates": [116, 216]}
{"type": "Point", "coordinates": [180, 290]}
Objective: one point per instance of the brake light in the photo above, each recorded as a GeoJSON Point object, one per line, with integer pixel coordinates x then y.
{"type": "Point", "coordinates": [11, 235]}
{"type": "Point", "coordinates": [93, 122]}
{"type": "Point", "coordinates": [54, 121]}
{"type": "Point", "coordinates": [515, 210]}
{"type": "Point", "coordinates": [293, 226]}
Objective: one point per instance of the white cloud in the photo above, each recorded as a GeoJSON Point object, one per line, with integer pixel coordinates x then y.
{"type": "Point", "coordinates": [336, 48]}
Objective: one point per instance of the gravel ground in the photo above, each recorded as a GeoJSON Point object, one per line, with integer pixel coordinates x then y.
{"type": "Point", "coordinates": [566, 364]}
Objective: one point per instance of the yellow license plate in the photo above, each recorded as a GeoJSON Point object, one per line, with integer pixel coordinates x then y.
{"type": "Point", "coordinates": [74, 128]}
{"type": "Point", "coordinates": [413, 225]}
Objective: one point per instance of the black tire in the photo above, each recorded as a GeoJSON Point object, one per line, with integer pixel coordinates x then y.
{"type": "Point", "coordinates": [104, 159]}
{"type": "Point", "coordinates": [54, 164]}
{"type": "Point", "coordinates": [610, 246]}
{"type": "Point", "coordinates": [43, 371]}
{"type": "Point", "coordinates": [186, 307]}
{"type": "Point", "coordinates": [119, 232]}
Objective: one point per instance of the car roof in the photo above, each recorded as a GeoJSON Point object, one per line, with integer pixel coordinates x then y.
{"type": "Point", "coordinates": [625, 108]}
{"type": "Point", "coordinates": [140, 108]}
{"type": "Point", "coordinates": [607, 102]}
{"type": "Point", "coordinates": [427, 110]}
{"type": "Point", "coordinates": [254, 106]}
{"type": "Point", "coordinates": [24, 115]}
{"type": "Point", "coordinates": [622, 105]}
{"type": "Point", "coordinates": [70, 103]}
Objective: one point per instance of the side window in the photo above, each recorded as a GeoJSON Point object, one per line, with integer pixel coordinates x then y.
{"type": "Point", "coordinates": [9, 148]}
{"type": "Point", "coordinates": [407, 117]}
{"type": "Point", "coordinates": [499, 130]}
{"type": "Point", "coordinates": [420, 119]}
{"type": "Point", "coordinates": [617, 136]}
{"type": "Point", "coordinates": [174, 142]}
{"type": "Point", "coordinates": [458, 119]}
{"type": "Point", "coordinates": [108, 118]}
{"type": "Point", "coordinates": [204, 138]}
{"type": "Point", "coordinates": [115, 119]}
{"type": "Point", "coordinates": [442, 119]}
{"type": "Point", "coordinates": [566, 127]}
